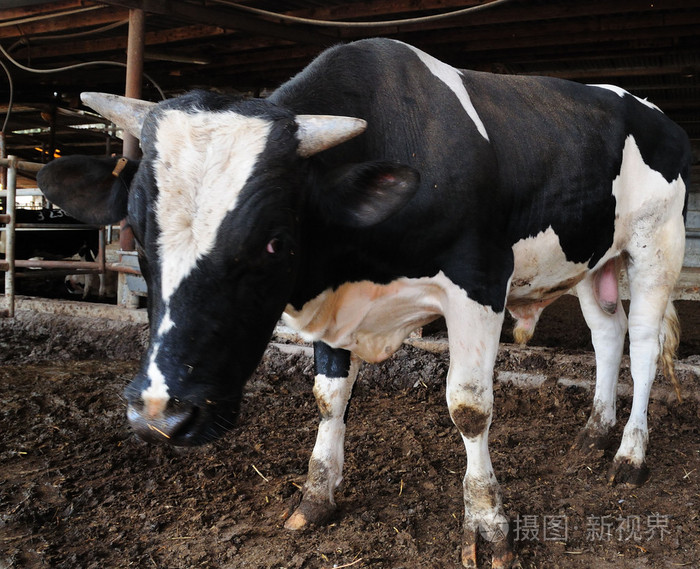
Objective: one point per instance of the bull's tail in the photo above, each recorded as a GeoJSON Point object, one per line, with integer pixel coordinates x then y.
{"type": "Point", "coordinates": [669, 338]}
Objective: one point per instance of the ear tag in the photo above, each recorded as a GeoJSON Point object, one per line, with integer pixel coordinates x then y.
{"type": "Point", "coordinates": [121, 164]}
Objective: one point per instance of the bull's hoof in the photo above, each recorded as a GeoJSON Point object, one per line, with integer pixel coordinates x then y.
{"type": "Point", "coordinates": [623, 472]}
{"type": "Point", "coordinates": [590, 443]}
{"type": "Point", "coordinates": [503, 554]}
{"type": "Point", "coordinates": [469, 554]}
{"type": "Point", "coordinates": [309, 512]}
{"type": "Point", "coordinates": [501, 540]}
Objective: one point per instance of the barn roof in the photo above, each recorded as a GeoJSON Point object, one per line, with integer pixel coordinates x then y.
{"type": "Point", "coordinates": [651, 48]}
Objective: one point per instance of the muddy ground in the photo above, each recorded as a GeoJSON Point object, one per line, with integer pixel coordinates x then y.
{"type": "Point", "coordinates": [77, 490]}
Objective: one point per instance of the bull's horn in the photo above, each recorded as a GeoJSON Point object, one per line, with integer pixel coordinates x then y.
{"type": "Point", "coordinates": [126, 113]}
{"type": "Point", "coordinates": [320, 132]}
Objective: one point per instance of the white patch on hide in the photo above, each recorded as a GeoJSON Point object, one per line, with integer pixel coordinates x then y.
{"type": "Point", "coordinates": [645, 204]}
{"type": "Point", "coordinates": [453, 79]}
{"type": "Point", "coordinates": [540, 266]}
{"type": "Point", "coordinates": [621, 92]}
{"type": "Point", "coordinates": [368, 319]}
{"type": "Point", "coordinates": [204, 161]}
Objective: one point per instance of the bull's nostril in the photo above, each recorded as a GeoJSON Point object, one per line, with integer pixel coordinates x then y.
{"type": "Point", "coordinates": [172, 425]}
{"type": "Point", "coordinates": [186, 419]}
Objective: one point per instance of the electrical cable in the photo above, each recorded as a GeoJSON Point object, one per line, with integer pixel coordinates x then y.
{"type": "Point", "coordinates": [75, 66]}
{"type": "Point", "coordinates": [12, 94]}
{"type": "Point", "coordinates": [366, 25]}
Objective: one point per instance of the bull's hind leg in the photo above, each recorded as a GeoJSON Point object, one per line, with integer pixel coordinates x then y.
{"type": "Point", "coordinates": [653, 327]}
{"type": "Point", "coordinates": [336, 371]}
{"type": "Point", "coordinates": [655, 260]}
{"type": "Point", "coordinates": [473, 337]}
{"type": "Point", "coordinates": [605, 316]}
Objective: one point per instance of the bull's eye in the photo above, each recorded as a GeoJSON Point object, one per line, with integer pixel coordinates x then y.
{"type": "Point", "coordinates": [273, 246]}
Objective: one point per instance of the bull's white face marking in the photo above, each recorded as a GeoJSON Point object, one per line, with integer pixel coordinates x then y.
{"type": "Point", "coordinates": [621, 92]}
{"type": "Point", "coordinates": [165, 324]}
{"type": "Point", "coordinates": [453, 79]}
{"type": "Point", "coordinates": [540, 264]}
{"type": "Point", "coordinates": [155, 396]}
{"type": "Point", "coordinates": [204, 160]}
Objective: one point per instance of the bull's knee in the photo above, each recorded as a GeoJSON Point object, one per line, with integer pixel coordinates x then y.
{"type": "Point", "coordinates": [471, 420]}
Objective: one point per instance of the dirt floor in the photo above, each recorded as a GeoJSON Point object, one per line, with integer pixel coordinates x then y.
{"type": "Point", "coordinates": [78, 490]}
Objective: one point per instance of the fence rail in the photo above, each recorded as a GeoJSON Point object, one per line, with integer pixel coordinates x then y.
{"type": "Point", "coordinates": [10, 264]}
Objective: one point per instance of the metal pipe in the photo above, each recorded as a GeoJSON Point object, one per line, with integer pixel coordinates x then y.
{"type": "Point", "coordinates": [119, 268]}
{"type": "Point", "coordinates": [49, 264]}
{"type": "Point", "coordinates": [134, 73]}
{"type": "Point", "coordinates": [19, 165]}
{"type": "Point", "coordinates": [135, 48]}
{"type": "Point", "coordinates": [22, 192]}
{"type": "Point", "coordinates": [56, 273]}
{"type": "Point", "coordinates": [101, 250]}
{"type": "Point", "coordinates": [3, 171]}
{"type": "Point", "coordinates": [52, 226]}
{"type": "Point", "coordinates": [10, 237]}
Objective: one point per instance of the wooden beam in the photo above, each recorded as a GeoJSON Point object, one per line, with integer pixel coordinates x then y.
{"type": "Point", "coordinates": [60, 23]}
{"type": "Point", "coordinates": [118, 43]}
{"type": "Point", "coordinates": [39, 9]}
{"type": "Point", "coordinates": [236, 21]}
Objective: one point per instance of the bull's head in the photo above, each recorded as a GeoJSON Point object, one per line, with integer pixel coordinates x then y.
{"type": "Point", "coordinates": [215, 204]}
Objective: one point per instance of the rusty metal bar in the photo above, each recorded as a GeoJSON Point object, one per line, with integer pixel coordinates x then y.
{"type": "Point", "coordinates": [136, 44]}
{"type": "Point", "coordinates": [102, 250]}
{"type": "Point", "coordinates": [3, 154]}
{"type": "Point", "coordinates": [134, 71]}
{"type": "Point", "coordinates": [10, 236]}
{"type": "Point", "coordinates": [54, 273]}
{"type": "Point", "coordinates": [19, 165]}
{"type": "Point", "coordinates": [62, 226]}
{"type": "Point", "coordinates": [119, 268]}
{"type": "Point", "coordinates": [52, 264]}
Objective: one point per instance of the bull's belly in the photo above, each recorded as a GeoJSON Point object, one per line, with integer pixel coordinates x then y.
{"type": "Point", "coordinates": [372, 320]}
{"type": "Point", "coordinates": [369, 319]}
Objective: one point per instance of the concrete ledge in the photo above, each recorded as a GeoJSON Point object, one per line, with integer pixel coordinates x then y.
{"type": "Point", "coordinates": [81, 309]}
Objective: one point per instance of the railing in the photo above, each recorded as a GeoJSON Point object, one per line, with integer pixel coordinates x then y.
{"type": "Point", "coordinates": [10, 264]}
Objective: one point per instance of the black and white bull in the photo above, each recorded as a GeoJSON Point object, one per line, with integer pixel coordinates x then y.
{"type": "Point", "coordinates": [466, 194]}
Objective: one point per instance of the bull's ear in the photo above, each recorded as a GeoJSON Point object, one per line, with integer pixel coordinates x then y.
{"type": "Point", "coordinates": [91, 189]}
{"type": "Point", "coordinates": [362, 195]}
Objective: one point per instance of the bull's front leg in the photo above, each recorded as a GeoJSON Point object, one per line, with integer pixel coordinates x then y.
{"type": "Point", "coordinates": [473, 338]}
{"type": "Point", "coordinates": [336, 371]}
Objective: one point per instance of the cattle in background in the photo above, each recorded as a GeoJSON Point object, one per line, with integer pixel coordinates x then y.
{"type": "Point", "coordinates": [468, 193]}
{"type": "Point", "coordinates": [53, 244]}
{"type": "Point", "coordinates": [101, 285]}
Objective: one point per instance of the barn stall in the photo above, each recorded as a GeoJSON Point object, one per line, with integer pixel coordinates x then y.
{"type": "Point", "coordinates": [78, 490]}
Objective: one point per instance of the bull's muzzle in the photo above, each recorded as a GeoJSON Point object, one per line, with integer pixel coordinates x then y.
{"type": "Point", "coordinates": [176, 423]}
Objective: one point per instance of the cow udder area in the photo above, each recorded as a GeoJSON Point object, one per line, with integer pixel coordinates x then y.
{"type": "Point", "coordinates": [77, 489]}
